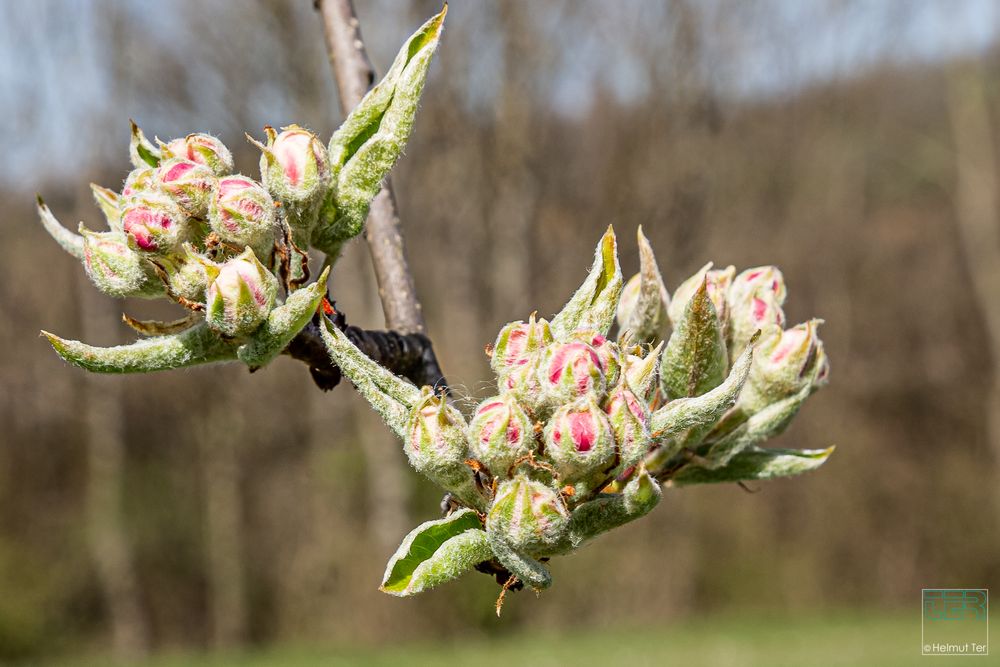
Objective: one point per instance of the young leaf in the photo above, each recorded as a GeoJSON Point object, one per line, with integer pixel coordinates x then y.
{"type": "Point", "coordinates": [435, 552]}
{"type": "Point", "coordinates": [646, 316]}
{"type": "Point", "coordinates": [755, 463]}
{"type": "Point", "coordinates": [70, 242]}
{"type": "Point", "coordinates": [594, 303]}
{"type": "Point", "coordinates": [695, 358]}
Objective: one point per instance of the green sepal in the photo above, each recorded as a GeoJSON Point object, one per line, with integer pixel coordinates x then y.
{"type": "Point", "coordinates": [755, 463]}
{"type": "Point", "coordinates": [69, 241]}
{"type": "Point", "coordinates": [197, 345]}
{"type": "Point", "coordinates": [435, 552]}
{"type": "Point", "coordinates": [695, 359]}
{"type": "Point", "coordinates": [141, 150]}
{"type": "Point", "coordinates": [283, 324]}
{"type": "Point", "coordinates": [372, 138]}
{"type": "Point", "coordinates": [593, 305]}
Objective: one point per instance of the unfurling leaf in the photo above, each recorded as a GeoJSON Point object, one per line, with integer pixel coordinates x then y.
{"type": "Point", "coordinates": [593, 305]}
{"type": "Point", "coordinates": [755, 463]}
{"type": "Point", "coordinates": [695, 358]}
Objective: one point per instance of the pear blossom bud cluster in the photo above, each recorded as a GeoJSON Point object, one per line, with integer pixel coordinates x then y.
{"type": "Point", "coordinates": [584, 428]}
{"type": "Point", "coordinates": [188, 227]}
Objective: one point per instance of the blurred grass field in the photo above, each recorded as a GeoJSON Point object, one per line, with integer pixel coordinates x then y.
{"type": "Point", "coordinates": [855, 638]}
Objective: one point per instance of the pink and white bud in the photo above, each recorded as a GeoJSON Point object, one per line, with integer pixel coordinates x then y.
{"type": "Point", "coordinates": [241, 296]}
{"type": "Point", "coordinates": [203, 149]}
{"type": "Point", "coordinates": [437, 441]}
{"type": "Point", "coordinates": [154, 223]}
{"type": "Point", "coordinates": [629, 416]}
{"type": "Point", "coordinates": [530, 515]}
{"type": "Point", "coordinates": [755, 300]}
{"type": "Point", "coordinates": [579, 441]}
{"type": "Point", "coordinates": [501, 433]}
{"type": "Point", "coordinates": [295, 165]}
{"type": "Point", "coordinates": [608, 352]}
{"type": "Point", "coordinates": [138, 181]}
{"type": "Point", "coordinates": [717, 281]}
{"type": "Point", "coordinates": [521, 382]}
{"type": "Point", "coordinates": [518, 342]}
{"type": "Point", "coordinates": [785, 363]}
{"type": "Point", "coordinates": [569, 371]}
{"type": "Point", "coordinates": [115, 268]}
{"type": "Point", "coordinates": [189, 184]}
{"type": "Point", "coordinates": [242, 212]}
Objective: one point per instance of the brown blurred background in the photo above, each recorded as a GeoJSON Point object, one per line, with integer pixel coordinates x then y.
{"type": "Point", "coordinates": [852, 143]}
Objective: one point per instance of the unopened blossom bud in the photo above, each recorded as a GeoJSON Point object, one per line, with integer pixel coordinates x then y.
{"type": "Point", "coordinates": [115, 268]}
{"type": "Point", "coordinates": [629, 416]}
{"type": "Point", "coordinates": [138, 181]}
{"type": "Point", "coordinates": [501, 433]}
{"type": "Point", "coordinates": [717, 282]}
{"type": "Point", "coordinates": [786, 362]}
{"type": "Point", "coordinates": [436, 439]}
{"type": "Point", "coordinates": [517, 342]}
{"type": "Point", "coordinates": [203, 149]}
{"type": "Point", "coordinates": [608, 352]}
{"type": "Point", "coordinates": [241, 296]}
{"type": "Point", "coordinates": [568, 371]}
{"type": "Point", "coordinates": [579, 441]}
{"type": "Point", "coordinates": [153, 223]}
{"type": "Point", "coordinates": [242, 212]}
{"type": "Point", "coordinates": [521, 382]}
{"type": "Point", "coordinates": [190, 274]}
{"type": "Point", "coordinates": [755, 300]}
{"type": "Point", "coordinates": [528, 514]}
{"type": "Point", "coordinates": [295, 166]}
{"type": "Point", "coordinates": [188, 183]}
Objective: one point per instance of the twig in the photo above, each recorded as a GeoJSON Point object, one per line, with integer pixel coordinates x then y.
{"type": "Point", "coordinates": [355, 75]}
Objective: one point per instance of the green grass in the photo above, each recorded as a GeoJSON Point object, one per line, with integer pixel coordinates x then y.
{"type": "Point", "coordinates": [846, 639]}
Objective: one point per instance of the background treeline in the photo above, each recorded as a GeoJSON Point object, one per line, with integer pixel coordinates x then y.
{"type": "Point", "coordinates": [213, 508]}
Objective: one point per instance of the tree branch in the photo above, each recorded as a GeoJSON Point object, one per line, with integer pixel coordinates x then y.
{"type": "Point", "coordinates": [355, 75]}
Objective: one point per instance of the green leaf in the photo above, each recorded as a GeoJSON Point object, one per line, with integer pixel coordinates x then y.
{"type": "Point", "coordinates": [70, 242]}
{"type": "Point", "coordinates": [648, 319]}
{"type": "Point", "coordinates": [695, 359]}
{"type": "Point", "coordinates": [435, 552]}
{"type": "Point", "coordinates": [594, 303]}
{"type": "Point", "coordinates": [755, 463]}
{"type": "Point", "coordinates": [141, 150]}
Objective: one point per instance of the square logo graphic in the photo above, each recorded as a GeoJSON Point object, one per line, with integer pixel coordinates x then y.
{"type": "Point", "coordinates": [955, 621]}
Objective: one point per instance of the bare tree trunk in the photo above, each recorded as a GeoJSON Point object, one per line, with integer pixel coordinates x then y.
{"type": "Point", "coordinates": [978, 213]}
{"type": "Point", "coordinates": [103, 433]}
{"type": "Point", "coordinates": [223, 526]}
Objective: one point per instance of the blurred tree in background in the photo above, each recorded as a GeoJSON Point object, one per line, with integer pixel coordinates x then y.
{"type": "Point", "coordinates": [845, 142]}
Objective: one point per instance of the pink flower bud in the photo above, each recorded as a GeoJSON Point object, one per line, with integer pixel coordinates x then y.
{"type": "Point", "coordinates": [138, 181]}
{"type": "Point", "coordinates": [785, 363]}
{"type": "Point", "coordinates": [717, 282]}
{"type": "Point", "coordinates": [579, 441]}
{"type": "Point", "coordinates": [568, 371]}
{"type": "Point", "coordinates": [608, 353]}
{"type": "Point", "coordinates": [241, 296]}
{"type": "Point", "coordinates": [115, 268]}
{"type": "Point", "coordinates": [295, 165]}
{"type": "Point", "coordinates": [629, 417]}
{"type": "Point", "coordinates": [517, 342]}
{"type": "Point", "coordinates": [755, 300]}
{"type": "Point", "coordinates": [530, 515]}
{"type": "Point", "coordinates": [501, 433]}
{"type": "Point", "coordinates": [153, 223]}
{"type": "Point", "coordinates": [437, 439]}
{"type": "Point", "coordinates": [242, 212]}
{"type": "Point", "coordinates": [203, 149]}
{"type": "Point", "coordinates": [189, 184]}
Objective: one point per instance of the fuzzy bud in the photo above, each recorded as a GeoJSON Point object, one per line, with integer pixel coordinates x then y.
{"type": "Point", "coordinates": [203, 149]}
{"type": "Point", "coordinates": [786, 363]}
{"type": "Point", "coordinates": [530, 515]}
{"type": "Point", "coordinates": [190, 274]}
{"type": "Point", "coordinates": [115, 268]}
{"type": "Point", "coordinates": [295, 166]}
{"type": "Point", "coordinates": [189, 184]}
{"type": "Point", "coordinates": [138, 181]}
{"type": "Point", "coordinates": [153, 223]}
{"type": "Point", "coordinates": [569, 371]}
{"type": "Point", "coordinates": [755, 300]}
{"type": "Point", "coordinates": [608, 352]}
{"type": "Point", "coordinates": [241, 296]}
{"type": "Point", "coordinates": [629, 417]}
{"type": "Point", "coordinates": [579, 441]}
{"type": "Point", "coordinates": [717, 282]}
{"type": "Point", "coordinates": [436, 438]}
{"type": "Point", "coordinates": [517, 342]}
{"type": "Point", "coordinates": [242, 212]}
{"type": "Point", "coordinates": [501, 433]}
